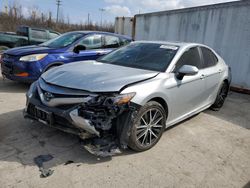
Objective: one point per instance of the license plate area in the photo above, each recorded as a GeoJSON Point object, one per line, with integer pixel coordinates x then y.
{"type": "Point", "coordinates": [43, 116]}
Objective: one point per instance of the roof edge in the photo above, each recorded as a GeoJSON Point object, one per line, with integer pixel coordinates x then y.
{"type": "Point", "coordinates": [198, 8]}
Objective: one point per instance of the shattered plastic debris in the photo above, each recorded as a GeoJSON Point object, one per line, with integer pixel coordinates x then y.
{"type": "Point", "coordinates": [39, 160]}
{"type": "Point", "coordinates": [102, 152]}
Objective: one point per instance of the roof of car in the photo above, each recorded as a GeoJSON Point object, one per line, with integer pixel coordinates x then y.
{"type": "Point", "coordinates": [174, 43]}
{"type": "Point", "coordinates": [101, 32]}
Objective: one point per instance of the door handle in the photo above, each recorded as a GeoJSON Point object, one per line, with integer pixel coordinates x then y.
{"type": "Point", "coordinates": [202, 76]}
{"type": "Point", "coordinates": [220, 71]}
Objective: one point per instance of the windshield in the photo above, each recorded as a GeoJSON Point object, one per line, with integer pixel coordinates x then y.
{"type": "Point", "coordinates": [150, 56]}
{"type": "Point", "coordinates": [63, 40]}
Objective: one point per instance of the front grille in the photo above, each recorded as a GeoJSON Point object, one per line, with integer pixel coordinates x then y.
{"type": "Point", "coordinates": [6, 69]}
{"type": "Point", "coordinates": [39, 113]}
{"type": "Point", "coordinates": [57, 95]}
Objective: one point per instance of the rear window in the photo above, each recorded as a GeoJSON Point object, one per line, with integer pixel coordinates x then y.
{"type": "Point", "coordinates": [209, 58]}
{"type": "Point", "coordinates": [53, 35]}
{"type": "Point", "coordinates": [124, 41]}
{"type": "Point", "coordinates": [111, 42]}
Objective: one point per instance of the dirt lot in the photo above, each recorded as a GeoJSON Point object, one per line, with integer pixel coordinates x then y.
{"type": "Point", "coordinates": [211, 149]}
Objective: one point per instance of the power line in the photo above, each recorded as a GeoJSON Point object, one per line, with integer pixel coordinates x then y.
{"type": "Point", "coordinates": [58, 3]}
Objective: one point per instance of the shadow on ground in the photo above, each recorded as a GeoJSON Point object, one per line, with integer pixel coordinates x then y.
{"type": "Point", "coordinates": [22, 140]}
{"type": "Point", "coordinates": [8, 86]}
{"type": "Point", "coordinates": [236, 110]}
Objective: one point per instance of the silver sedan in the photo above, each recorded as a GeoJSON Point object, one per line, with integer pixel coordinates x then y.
{"type": "Point", "coordinates": [129, 97]}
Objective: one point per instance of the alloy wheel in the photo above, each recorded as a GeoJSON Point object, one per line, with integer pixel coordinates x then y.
{"type": "Point", "coordinates": [149, 127]}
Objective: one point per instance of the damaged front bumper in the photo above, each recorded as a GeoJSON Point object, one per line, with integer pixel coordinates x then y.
{"type": "Point", "coordinates": [102, 123]}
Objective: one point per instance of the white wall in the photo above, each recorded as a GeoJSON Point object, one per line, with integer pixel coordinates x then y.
{"type": "Point", "coordinates": [224, 27]}
{"type": "Point", "coordinates": [123, 26]}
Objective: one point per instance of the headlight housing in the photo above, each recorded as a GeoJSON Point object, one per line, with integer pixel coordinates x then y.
{"type": "Point", "coordinates": [123, 98]}
{"type": "Point", "coordinates": [33, 57]}
{"type": "Point", "coordinates": [31, 90]}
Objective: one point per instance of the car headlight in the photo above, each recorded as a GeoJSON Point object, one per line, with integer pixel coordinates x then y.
{"type": "Point", "coordinates": [33, 57]}
{"type": "Point", "coordinates": [123, 98]}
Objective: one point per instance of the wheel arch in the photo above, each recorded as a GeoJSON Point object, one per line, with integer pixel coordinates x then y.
{"type": "Point", "coordinates": [162, 102]}
{"type": "Point", "coordinates": [51, 65]}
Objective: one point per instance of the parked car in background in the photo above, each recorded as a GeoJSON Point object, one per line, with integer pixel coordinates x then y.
{"type": "Point", "coordinates": [26, 64]}
{"type": "Point", "coordinates": [25, 36]}
{"type": "Point", "coordinates": [129, 96]}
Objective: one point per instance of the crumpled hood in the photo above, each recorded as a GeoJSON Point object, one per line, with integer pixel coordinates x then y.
{"type": "Point", "coordinates": [95, 76]}
{"type": "Point", "coordinates": [35, 49]}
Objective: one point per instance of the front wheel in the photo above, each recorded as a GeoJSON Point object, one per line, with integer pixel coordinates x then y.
{"type": "Point", "coordinates": [148, 127]}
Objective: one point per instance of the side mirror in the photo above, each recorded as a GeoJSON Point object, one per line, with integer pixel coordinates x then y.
{"type": "Point", "coordinates": [79, 48]}
{"type": "Point", "coordinates": [186, 70]}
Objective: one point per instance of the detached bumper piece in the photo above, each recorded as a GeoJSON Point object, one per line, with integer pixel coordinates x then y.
{"type": "Point", "coordinates": [103, 126]}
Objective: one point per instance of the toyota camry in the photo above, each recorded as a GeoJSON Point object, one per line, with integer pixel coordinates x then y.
{"type": "Point", "coordinates": [128, 97]}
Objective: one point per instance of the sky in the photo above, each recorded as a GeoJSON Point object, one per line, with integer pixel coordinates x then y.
{"type": "Point", "coordinates": [77, 10]}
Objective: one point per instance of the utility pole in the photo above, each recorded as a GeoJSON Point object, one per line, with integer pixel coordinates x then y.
{"type": "Point", "coordinates": [88, 19]}
{"type": "Point", "coordinates": [58, 3]}
{"type": "Point", "coordinates": [102, 10]}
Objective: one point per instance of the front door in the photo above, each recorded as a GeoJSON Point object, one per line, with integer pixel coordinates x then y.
{"type": "Point", "coordinates": [186, 95]}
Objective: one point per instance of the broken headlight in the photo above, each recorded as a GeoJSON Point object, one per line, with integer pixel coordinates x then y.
{"type": "Point", "coordinates": [123, 98]}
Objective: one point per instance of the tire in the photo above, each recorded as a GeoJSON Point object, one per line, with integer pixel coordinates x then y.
{"type": "Point", "coordinates": [221, 96]}
{"type": "Point", "coordinates": [144, 135]}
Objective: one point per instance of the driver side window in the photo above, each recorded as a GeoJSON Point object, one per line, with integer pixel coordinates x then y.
{"type": "Point", "coordinates": [190, 57]}
{"type": "Point", "coordinates": [92, 42]}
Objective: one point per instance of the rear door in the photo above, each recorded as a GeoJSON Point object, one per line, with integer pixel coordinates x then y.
{"type": "Point", "coordinates": [186, 95]}
{"type": "Point", "coordinates": [212, 73]}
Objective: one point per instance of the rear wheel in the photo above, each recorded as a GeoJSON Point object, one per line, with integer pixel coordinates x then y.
{"type": "Point", "coordinates": [148, 127]}
{"type": "Point", "coordinates": [221, 96]}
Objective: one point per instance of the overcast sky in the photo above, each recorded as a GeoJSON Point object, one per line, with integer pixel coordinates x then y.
{"type": "Point", "coordinates": [77, 10]}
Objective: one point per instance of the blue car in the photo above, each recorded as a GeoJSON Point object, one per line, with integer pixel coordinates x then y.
{"type": "Point", "coordinates": [26, 64]}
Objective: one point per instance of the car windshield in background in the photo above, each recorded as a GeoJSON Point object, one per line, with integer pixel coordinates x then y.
{"type": "Point", "coordinates": [149, 56]}
{"type": "Point", "coordinates": [63, 40]}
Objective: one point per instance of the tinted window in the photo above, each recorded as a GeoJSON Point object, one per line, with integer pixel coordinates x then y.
{"type": "Point", "coordinates": [209, 58]}
{"type": "Point", "coordinates": [38, 34]}
{"type": "Point", "coordinates": [190, 57]}
{"type": "Point", "coordinates": [63, 40]}
{"type": "Point", "coordinates": [150, 56]}
{"type": "Point", "coordinates": [92, 42]}
{"type": "Point", "coordinates": [111, 42]}
{"type": "Point", "coordinates": [53, 35]}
